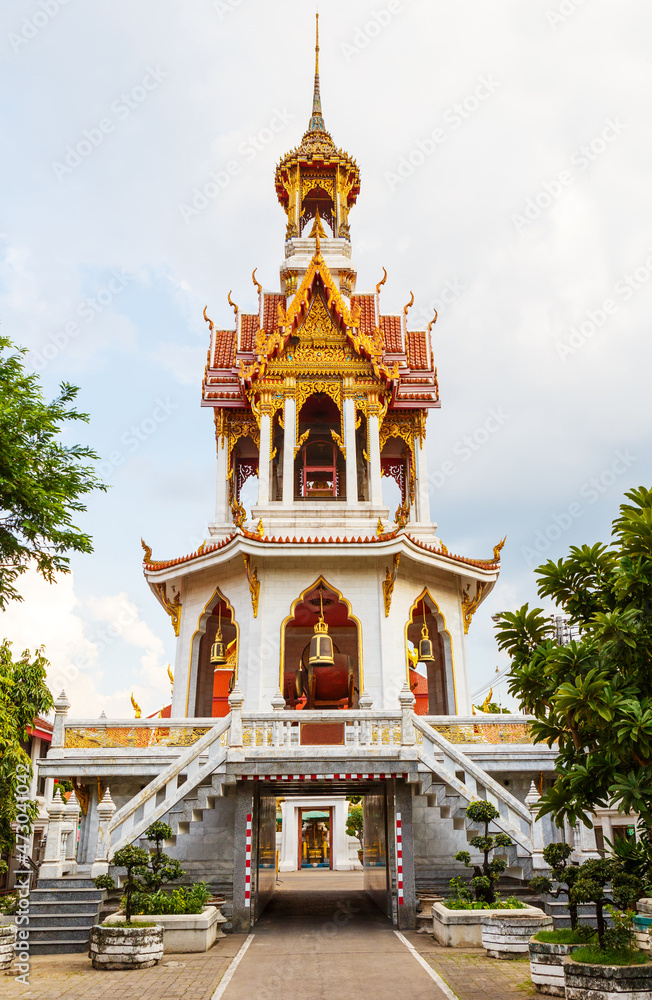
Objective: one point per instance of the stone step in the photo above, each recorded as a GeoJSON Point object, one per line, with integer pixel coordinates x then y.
{"type": "Point", "coordinates": [68, 947]}
{"type": "Point", "coordinates": [82, 908]}
{"type": "Point", "coordinates": [69, 895]}
{"type": "Point", "coordinates": [41, 921]}
{"type": "Point", "coordinates": [59, 932]}
{"type": "Point", "coordinates": [66, 882]}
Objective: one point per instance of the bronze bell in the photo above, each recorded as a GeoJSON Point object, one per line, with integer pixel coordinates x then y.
{"type": "Point", "coordinates": [426, 654]}
{"type": "Point", "coordinates": [321, 647]}
{"type": "Point", "coordinates": [218, 650]}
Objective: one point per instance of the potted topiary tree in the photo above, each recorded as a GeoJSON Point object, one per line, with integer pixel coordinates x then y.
{"type": "Point", "coordinates": [188, 923]}
{"type": "Point", "coordinates": [548, 947]}
{"type": "Point", "coordinates": [122, 944]}
{"type": "Point", "coordinates": [610, 964]}
{"type": "Point", "coordinates": [503, 927]}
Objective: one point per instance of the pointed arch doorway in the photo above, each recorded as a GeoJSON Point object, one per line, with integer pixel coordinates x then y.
{"type": "Point", "coordinates": [432, 680]}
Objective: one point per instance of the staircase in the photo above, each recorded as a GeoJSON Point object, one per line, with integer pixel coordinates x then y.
{"type": "Point", "coordinates": [61, 914]}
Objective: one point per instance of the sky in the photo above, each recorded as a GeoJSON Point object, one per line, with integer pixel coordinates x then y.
{"type": "Point", "coordinates": [505, 153]}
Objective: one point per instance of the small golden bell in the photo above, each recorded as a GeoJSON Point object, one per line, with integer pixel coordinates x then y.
{"type": "Point", "coordinates": [218, 651]}
{"type": "Point", "coordinates": [426, 654]}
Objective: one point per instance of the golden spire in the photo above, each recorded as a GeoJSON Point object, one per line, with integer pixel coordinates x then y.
{"type": "Point", "coordinates": [316, 121]}
{"type": "Point", "coordinates": [317, 230]}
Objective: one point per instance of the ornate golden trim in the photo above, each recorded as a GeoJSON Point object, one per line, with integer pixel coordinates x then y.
{"type": "Point", "coordinates": [470, 604]}
{"type": "Point", "coordinates": [254, 583]}
{"type": "Point", "coordinates": [498, 549]}
{"type": "Point", "coordinates": [425, 593]}
{"type": "Point", "coordinates": [209, 603]}
{"type": "Point", "coordinates": [173, 607]}
{"type": "Point", "coordinates": [147, 550]}
{"type": "Point", "coordinates": [389, 581]}
{"type": "Point", "coordinates": [338, 441]}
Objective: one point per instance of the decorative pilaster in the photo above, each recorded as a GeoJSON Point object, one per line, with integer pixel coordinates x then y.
{"type": "Point", "coordinates": [72, 812]}
{"type": "Point", "coordinates": [264, 452]}
{"type": "Point", "coordinates": [52, 867]}
{"type": "Point", "coordinates": [236, 701]}
{"type": "Point", "coordinates": [222, 512]}
{"type": "Point", "coordinates": [351, 450]}
{"type": "Point", "coordinates": [289, 442]}
{"type": "Point", "coordinates": [538, 839]}
{"type": "Point", "coordinates": [406, 701]}
{"type": "Point", "coordinates": [376, 489]}
{"type": "Point", "coordinates": [61, 707]}
{"type": "Point", "coordinates": [105, 811]}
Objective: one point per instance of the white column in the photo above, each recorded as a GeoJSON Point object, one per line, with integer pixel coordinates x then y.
{"type": "Point", "coordinates": [607, 832]}
{"type": "Point", "coordinates": [289, 444]}
{"type": "Point", "coordinates": [290, 835]}
{"type": "Point", "coordinates": [222, 513]}
{"type": "Point", "coordinates": [351, 456]}
{"type": "Point", "coordinates": [105, 811]}
{"type": "Point", "coordinates": [538, 839]}
{"type": "Point", "coordinates": [52, 867]}
{"type": "Point", "coordinates": [73, 810]}
{"type": "Point", "coordinates": [422, 485]}
{"type": "Point", "coordinates": [61, 707]}
{"type": "Point", "coordinates": [264, 458]}
{"type": "Point", "coordinates": [376, 489]}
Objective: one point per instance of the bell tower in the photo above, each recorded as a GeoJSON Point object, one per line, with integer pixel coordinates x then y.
{"type": "Point", "coordinates": [316, 594]}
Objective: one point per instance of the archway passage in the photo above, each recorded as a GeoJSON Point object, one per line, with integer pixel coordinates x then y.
{"type": "Point", "coordinates": [214, 683]}
{"type": "Point", "coordinates": [323, 687]}
{"type": "Point", "coordinates": [430, 679]}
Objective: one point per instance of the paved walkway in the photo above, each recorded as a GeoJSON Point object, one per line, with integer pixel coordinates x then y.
{"type": "Point", "coordinates": [320, 937]}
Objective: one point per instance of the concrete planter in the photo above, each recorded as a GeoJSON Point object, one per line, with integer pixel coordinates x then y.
{"type": "Point", "coordinates": [7, 943]}
{"type": "Point", "coordinates": [183, 931]}
{"type": "Point", "coordinates": [607, 982]}
{"type": "Point", "coordinates": [643, 924]}
{"type": "Point", "coordinates": [547, 966]}
{"type": "Point", "coordinates": [463, 928]}
{"type": "Point", "coordinates": [506, 933]}
{"type": "Point", "coordinates": [125, 947]}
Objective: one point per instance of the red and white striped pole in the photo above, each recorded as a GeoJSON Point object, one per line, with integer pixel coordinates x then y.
{"type": "Point", "coordinates": [399, 859]}
{"type": "Point", "coordinates": [248, 864]}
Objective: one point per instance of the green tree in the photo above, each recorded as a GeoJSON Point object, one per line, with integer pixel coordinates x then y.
{"type": "Point", "coordinates": [561, 872]}
{"type": "Point", "coordinates": [486, 874]}
{"type": "Point", "coordinates": [145, 872]}
{"type": "Point", "coordinates": [24, 695]}
{"type": "Point", "coordinates": [593, 696]}
{"type": "Point", "coordinates": [42, 480]}
{"type": "Point", "coordinates": [355, 823]}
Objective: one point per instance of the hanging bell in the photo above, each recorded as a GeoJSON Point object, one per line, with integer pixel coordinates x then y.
{"type": "Point", "coordinates": [426, 654]}
{"type": "Point", "coordinates": [218, 650]}
{"type": "Point", "coordinates": [321, 647]}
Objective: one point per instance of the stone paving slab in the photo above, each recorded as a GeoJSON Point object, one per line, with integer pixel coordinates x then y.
{"type": "Point", "coordinates": [471, 974]}
{"type": "Point", "coordinates": [177, 977]}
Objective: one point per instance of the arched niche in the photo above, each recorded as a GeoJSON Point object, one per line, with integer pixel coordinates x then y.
{"type": "Point", "coordinates": [211, 685]}
{"type": "Point", "coordinates": [437, 695]}
{"type": "Point", "coordinates": [344, 629]}
{"type": "Point", "coordinates": [319, 466]}
{"type": "Point", "coordinates": [396, 464]}
{"type": "Point", "coordinates": [317, 199]}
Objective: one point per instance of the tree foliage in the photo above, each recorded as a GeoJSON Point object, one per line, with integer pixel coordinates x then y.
{"type": "Point", "coordinates": [42, 480]}
{"type": "Point", "coordinates": [562, 877]}
{"type": "Point", "coordinates": [593, 697]}
{"type": "Point", "coordinates": [146, 871]}
{"type": "Point", "coordinates": [355, 823]}
{"type": "Point", "coordinates": [23, 696]}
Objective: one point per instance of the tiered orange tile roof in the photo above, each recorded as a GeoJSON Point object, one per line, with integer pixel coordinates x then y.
{"type": "Point", "coordinates": [391, 330]}
{"type": "Point", "coordinates": [248, 330]}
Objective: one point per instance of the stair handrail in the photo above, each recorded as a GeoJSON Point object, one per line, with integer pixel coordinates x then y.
{"type": "Point", "coordinates": [481, 777]}
{"type": "Point", "coordinates": [171, 771]}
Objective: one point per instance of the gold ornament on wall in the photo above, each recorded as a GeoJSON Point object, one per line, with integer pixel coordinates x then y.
{"type": "Point", "coordinates": [470, 603]}
{"type": "Point", "coordinates": [137, 709]}
{"type": "Point", "coordinates": [173, 607]}
{"type": "Point", "coordinates": [389, 581]}
{"type": "Point", "coordinates": [254, 583]}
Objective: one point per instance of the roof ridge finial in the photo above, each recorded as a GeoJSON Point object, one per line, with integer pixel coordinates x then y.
{"type": "Point", "coordinates": [316, 120]}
